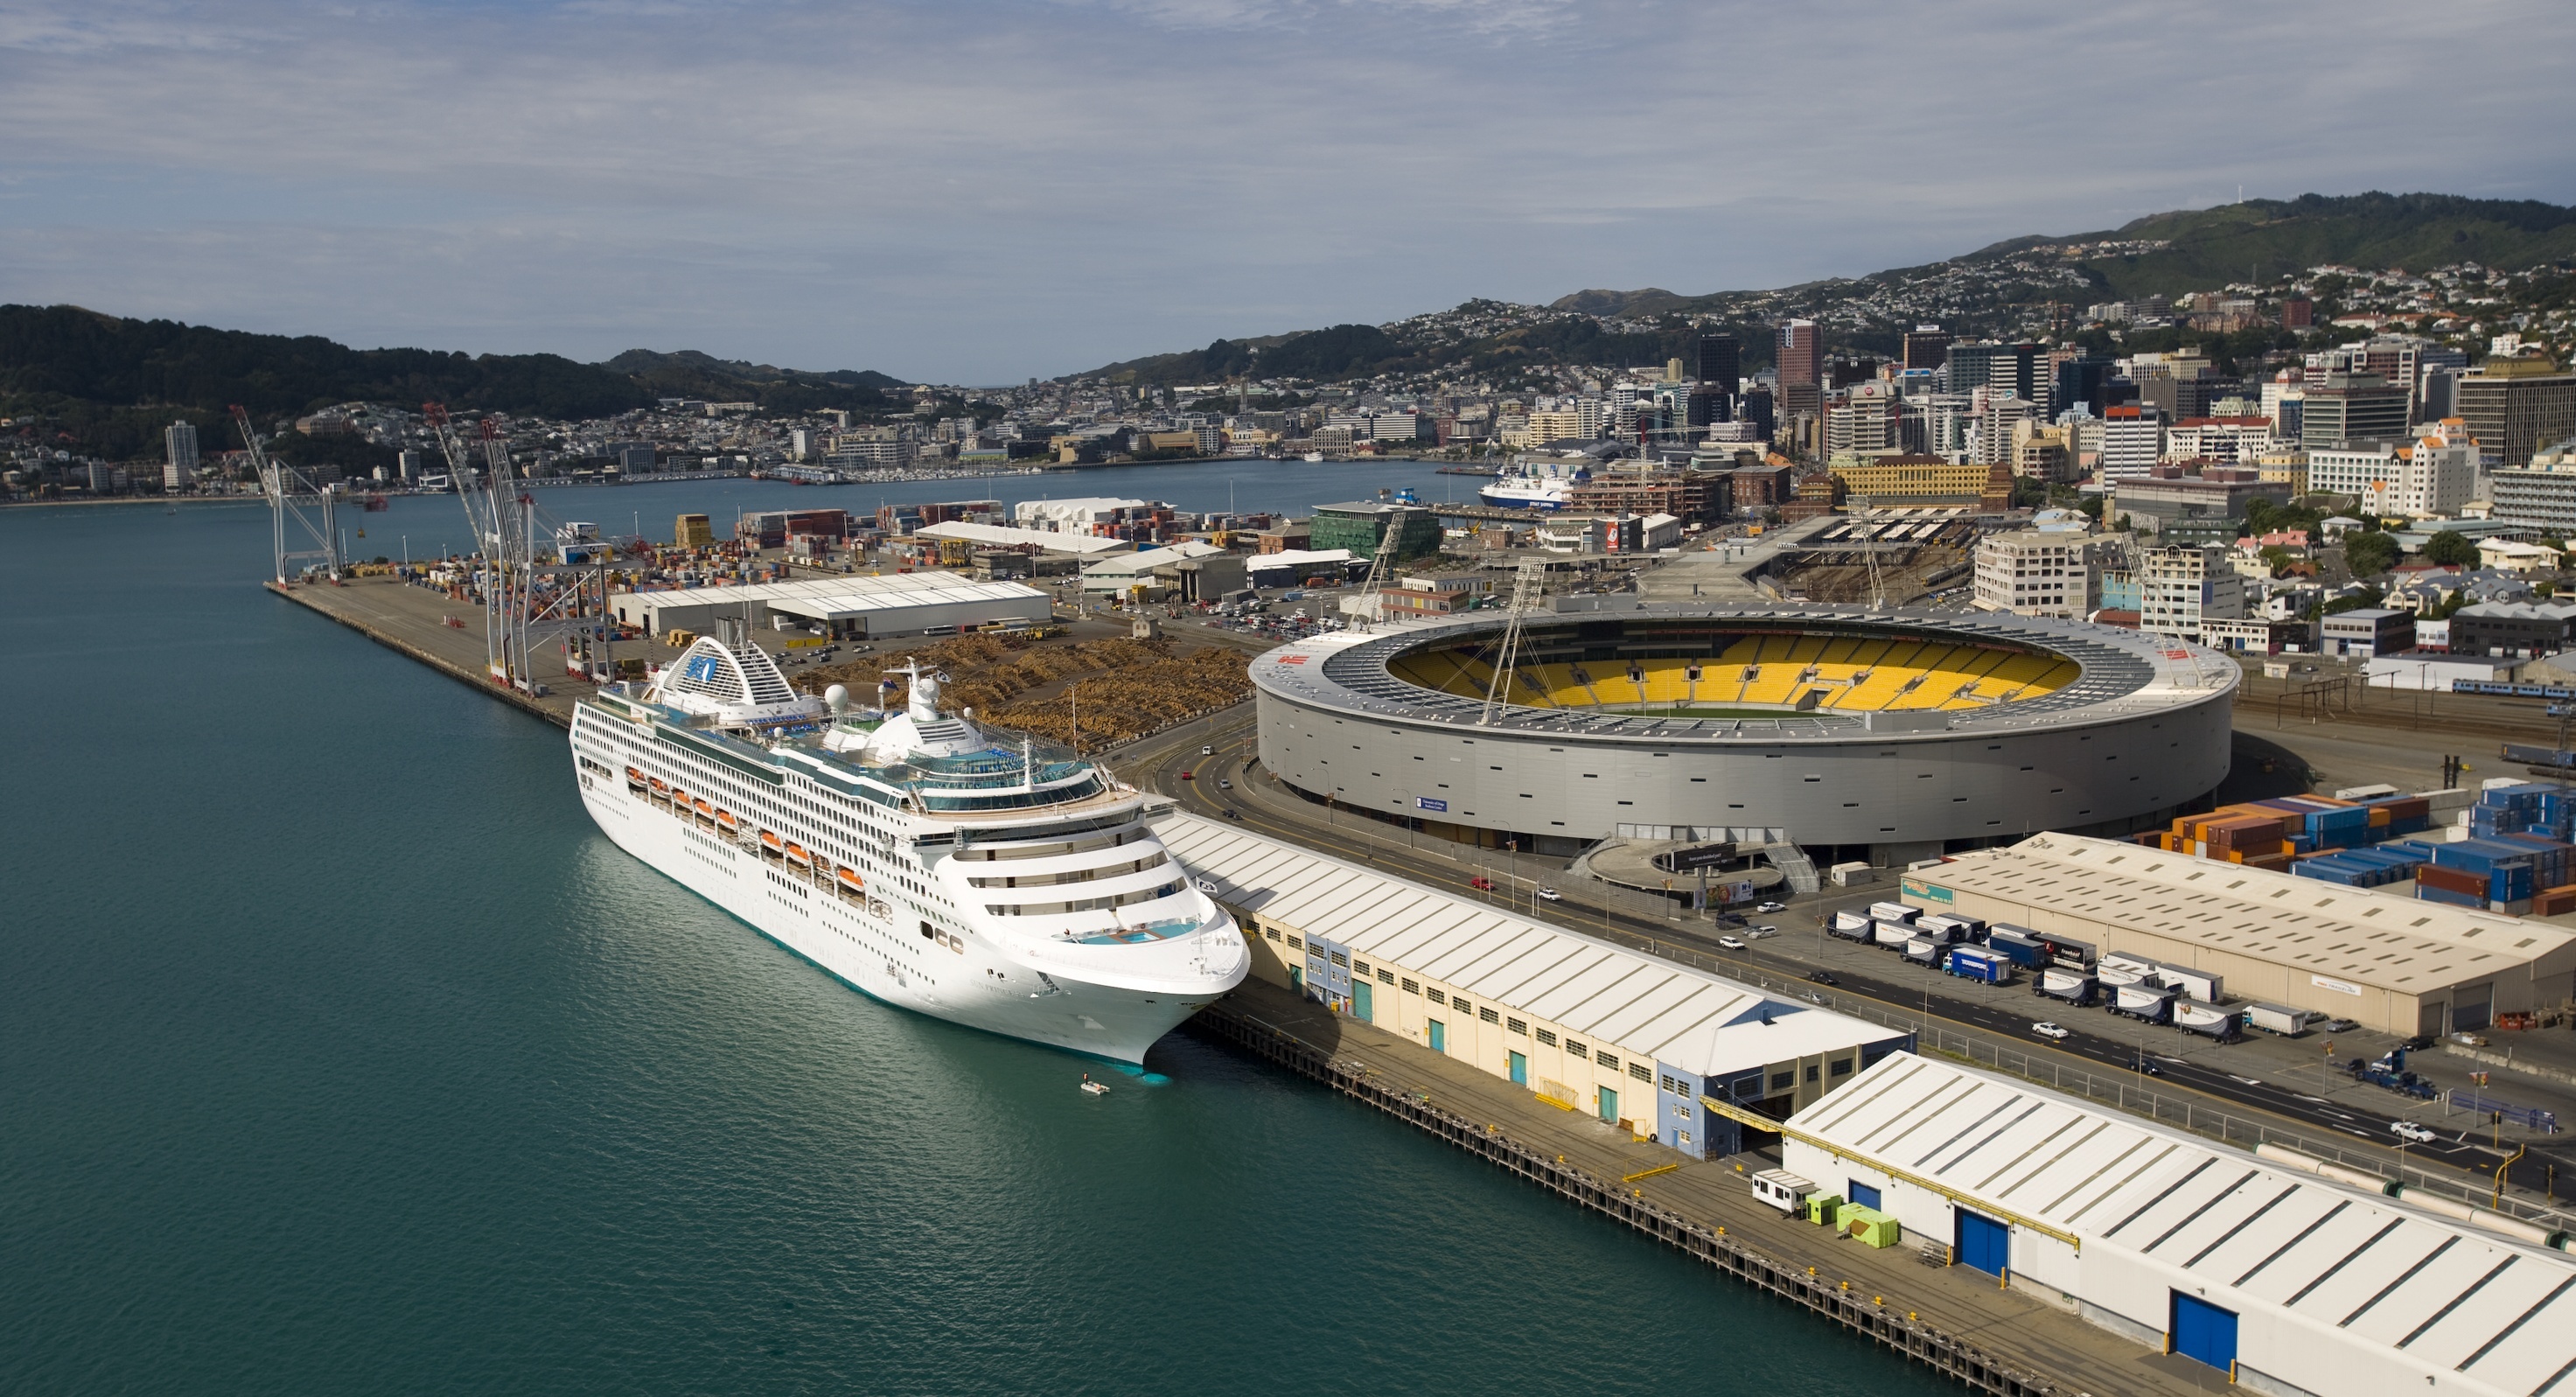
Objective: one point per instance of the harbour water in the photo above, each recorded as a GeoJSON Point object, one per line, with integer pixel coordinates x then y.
{"type": "Point", "coordinates": [341, 1053]}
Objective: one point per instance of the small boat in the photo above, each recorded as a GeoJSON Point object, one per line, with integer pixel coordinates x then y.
{"type": "Point", "coordinates": [634, 777]}
{"type": "Point", "coordinates": [706, 808]}
{"type": "Point", "coordinates": [770, 842]}
{"type": "Point", "coordinates": [849, 878]}
{"type": "Point", "coordinates": [1092, 1087]}
{"type": "Point", "coordinates": [726, 819]}
{"type": "Point", "coordinates": [796, 855]}
{"type": "Point", "coordinates": [660, 787]}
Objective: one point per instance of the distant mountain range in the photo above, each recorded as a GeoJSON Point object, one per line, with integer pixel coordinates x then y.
{"type": "Point", "coordinates": [1990, 290]}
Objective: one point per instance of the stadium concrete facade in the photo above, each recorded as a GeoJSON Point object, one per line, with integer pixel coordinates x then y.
{"type": "Point", "coordinates": [1842, 730]}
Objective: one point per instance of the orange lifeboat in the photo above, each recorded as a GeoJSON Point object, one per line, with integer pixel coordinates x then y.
{"type": "Point", "coordinates": [634, 777]}
{"type": "Point", "coordinates": [770, 842]}
{"type": "Point", "coordinates": [660, 787]}
{"type": "Point", "coordinates": [796, 855]}
{"type": "Point", "coordinates": [849, 879]}
{"type": "Point", "coordinates": [726, 819]}
{"type": "Point", "coordinates": [706, 808]}
{"type": "Point", "coordinates": [679, 800]}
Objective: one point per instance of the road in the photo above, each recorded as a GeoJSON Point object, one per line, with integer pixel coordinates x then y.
{"type": "Point", "coordinates": [1211, 767]}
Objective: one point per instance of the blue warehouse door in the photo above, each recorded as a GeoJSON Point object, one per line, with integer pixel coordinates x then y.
{"type": "Point", "coordinates": [1520, 1070]}
{"type": "Point", "coordinates": [1439, 1036]}
{"type": "Point", "coordinates": [1984, 1243]}
{"type": "Point", "coordinates": [1360, 1001]}
{"type": "Point", "coordinates": [2205, 1332]}
{"type": "Point", "coordinates": [1863, 1194]}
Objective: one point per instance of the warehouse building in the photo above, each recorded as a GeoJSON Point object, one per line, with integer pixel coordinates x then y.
{"type": "Point", "coordinates": [1585, 1024]}
{"type": "Point", "coordinates": [853, 608]}
{"type": "Point", "coordinates": [2387, 961]}
{"type": "Point", "coordinates": [2290, 1276]}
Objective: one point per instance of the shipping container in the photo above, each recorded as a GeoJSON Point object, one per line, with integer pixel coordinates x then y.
{"type": "Point", "coordinates": [2197, 984]}
{"type": "Point", "coordinates": [2275, 1018]}
{"type": "Point", "coordinates": [2427, 893]}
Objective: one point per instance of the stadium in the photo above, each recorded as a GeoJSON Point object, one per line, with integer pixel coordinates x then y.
{"type": "Point", "coordinates": [1850, 733]}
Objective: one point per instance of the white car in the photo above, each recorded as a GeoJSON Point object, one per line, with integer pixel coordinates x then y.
{"type": "Point", "coordinates": [2411, 1133]}
{"type": "Point", "coordinates": [1767, 907]}
{"type": "Point", "coordinates": [1730, 943]}
{"type": "Point", "coordinates": [1550, 894]}
{"type": "Point", "coordinates": [1756, 933]}
{"type": "Point", "coordinates": [1207, 751]}
{"type": "Point", "coordinates": [2048, 1030]}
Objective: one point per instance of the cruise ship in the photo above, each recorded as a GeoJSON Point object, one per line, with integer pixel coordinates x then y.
{"type": "Point", "coordinates": [986, 879]}
{"type": "Point", "coordinates": [1524, 486]}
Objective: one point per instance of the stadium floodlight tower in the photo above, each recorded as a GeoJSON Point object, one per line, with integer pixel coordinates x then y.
{"type": "Point", "coordinates": [287, 489]}
{"type": "Point", "coordinates": [1529, 582]}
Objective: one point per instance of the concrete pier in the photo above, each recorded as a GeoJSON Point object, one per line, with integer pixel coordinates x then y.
{"type": "Point", "coordinates": [1907, 1298]}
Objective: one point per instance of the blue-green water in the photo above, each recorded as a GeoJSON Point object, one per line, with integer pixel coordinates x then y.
{"type": "Point", "coordinates": [339, 1053]}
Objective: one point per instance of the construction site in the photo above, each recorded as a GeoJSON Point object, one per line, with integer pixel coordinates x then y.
{"type": "Point", "coordinates": [1876, 560]}
{"type": "Point", "coordinates": [1083, 693]}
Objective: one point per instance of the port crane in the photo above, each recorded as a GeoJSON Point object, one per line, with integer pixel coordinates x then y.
{"type": "Point", "coordinates": [288, 491]}
{"type": "Point", "coordinates": [502, 513]}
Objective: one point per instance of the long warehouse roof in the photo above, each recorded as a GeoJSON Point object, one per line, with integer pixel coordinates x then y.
{"type": "Point", "coordinates": [2358, 934]}
{"type": "Point", "coordinates": [2445, 1292]}
{"type": "Point", "coordinates": [1685, 1017]}
{"type": "Point", "coordinates": [1046, 540]}
{"type": "Point", "coordinates": [846, 596]}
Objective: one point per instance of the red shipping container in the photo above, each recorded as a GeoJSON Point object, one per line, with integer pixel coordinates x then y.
{"type": "Point", "coordinates": [2455, 880]}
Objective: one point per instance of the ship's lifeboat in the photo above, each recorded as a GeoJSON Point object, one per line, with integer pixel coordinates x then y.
{"type": "Point", "coordinates": [849, 880]}
{"type": "Point", "coordinates": [679, 801]}
{"type": "Point", "coordinates": [661, 787]}
{"type": "Point", "coordinates": [769, 843]}
{"type": "Point", "coordinates": [796, 855]}
{"type": "Point", "coordinates": [634, 777]}
{"type": "Point", "coordinates": [706, 809]}
{"type": "Point", "coordinates": [726, 819]}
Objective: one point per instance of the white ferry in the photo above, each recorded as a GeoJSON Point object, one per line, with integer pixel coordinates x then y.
{"type": "Point", "coordinates": [1525, 486]}
{"type": "Point", "coordinates": [991, 881]}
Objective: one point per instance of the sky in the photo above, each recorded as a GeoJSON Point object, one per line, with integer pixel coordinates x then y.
{"type": "Point", "coordinates": [982, 191]}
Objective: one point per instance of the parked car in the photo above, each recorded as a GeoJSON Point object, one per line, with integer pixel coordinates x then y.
{"type": "Point", "coordinates": [2335, 1026]}
{"type": "Point", "coordinates": [2411, 1133]}
{"type": "Point", "coordinates": [2049, 1031]}
{"type": "Point", "coordinates": [1551, 895]}
{"type": "Point", "coordinates": [1730, 943]}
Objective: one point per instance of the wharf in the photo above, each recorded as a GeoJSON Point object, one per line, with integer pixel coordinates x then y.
{"type": "Point", "coordinates": [412, 620]}
{"type": "Point", "coordinates": [1953, 1320]}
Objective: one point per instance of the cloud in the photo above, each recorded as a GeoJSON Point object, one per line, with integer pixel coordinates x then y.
{"type": "Point", "coordinates": [985, 191]}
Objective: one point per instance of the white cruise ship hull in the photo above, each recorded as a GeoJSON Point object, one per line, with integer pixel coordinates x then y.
{"type": "Point", "coordinates": [1522, 496]}
{"type": "Point", "coordinates": [884, 957]}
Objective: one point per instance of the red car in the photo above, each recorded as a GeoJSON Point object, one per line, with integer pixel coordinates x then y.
{"type": "Point", "coordinates": [1482, 885]}
{"type": "Point", "coordinates": [1186, 775]}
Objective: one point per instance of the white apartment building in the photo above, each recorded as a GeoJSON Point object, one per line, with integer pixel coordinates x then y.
{"type": "Point", "coordinates": [2228, 439]}
{"type": "Point", "coordinates": [2179, 588]}
{"type": "Point", "coordinates": [2133, 440]}
{"type": "Point", "coordinates": [2435, 474]}
{"type": "Point", "coordinates": [2034, 573]}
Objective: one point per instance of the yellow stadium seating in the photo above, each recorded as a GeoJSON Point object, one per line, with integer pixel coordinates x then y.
{"type": "Point", "coordinates": [1848, 675]}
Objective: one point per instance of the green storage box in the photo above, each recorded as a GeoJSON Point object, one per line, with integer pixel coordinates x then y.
{"type": "Point", "coordinates": [1824, 1208]}
{"type": "Point", "coordinates": [1871, 1226]}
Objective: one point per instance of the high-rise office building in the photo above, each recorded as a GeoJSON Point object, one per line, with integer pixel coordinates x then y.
{"type": "Point", "coordinates": [2081, 380]}
{"type": "Point", "coordinates": [1926, 347]}
{"type": "Point", "coordinates": [2133, 438]}
{"type": "Point", "coordinates": [2352, 407]}
{"type": "Point", "coordinates": [1801, 354]}
{"type": "Point", "coordinates": [2515, 407]}
{"type": "Point", "coordinates": [1720, 361]}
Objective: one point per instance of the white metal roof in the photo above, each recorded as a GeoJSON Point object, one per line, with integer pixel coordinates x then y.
{"type": "Point", "coordinates": [1648, 1007]}
{"type": "Point", "coordinates": [2447, 1293]}
{"type": "Point", "coordinates": [1138, 564]}
{"type": "Point", "coordinates": [825, 597]}
{"type": "Point", "coordinates": [2357, 934]}
{"type": "Point", "coordinates": [1295, 558]}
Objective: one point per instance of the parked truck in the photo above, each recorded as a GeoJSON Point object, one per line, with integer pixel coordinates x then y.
{"type": "Point", "coordinates": [1978, 963]}
{"type": "Point", "coordinates": [2275, 1018]}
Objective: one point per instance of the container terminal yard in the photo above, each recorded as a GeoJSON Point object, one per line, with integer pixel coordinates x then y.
{"type": "Point", "coordinates": [2119, 1206]}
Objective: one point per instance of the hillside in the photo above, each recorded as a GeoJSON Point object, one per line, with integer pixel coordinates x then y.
{"type": "Point", "coordinates": [1996, 290]}
{"type": "Point", "coordinates": [107, 385]}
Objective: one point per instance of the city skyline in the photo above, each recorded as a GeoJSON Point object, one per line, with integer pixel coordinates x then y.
{"type": "Point", "coordinates": [980, 196]}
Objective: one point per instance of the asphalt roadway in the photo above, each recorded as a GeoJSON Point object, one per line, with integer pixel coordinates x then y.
{"type": "Point", "coordinates": [2317, 1100]}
